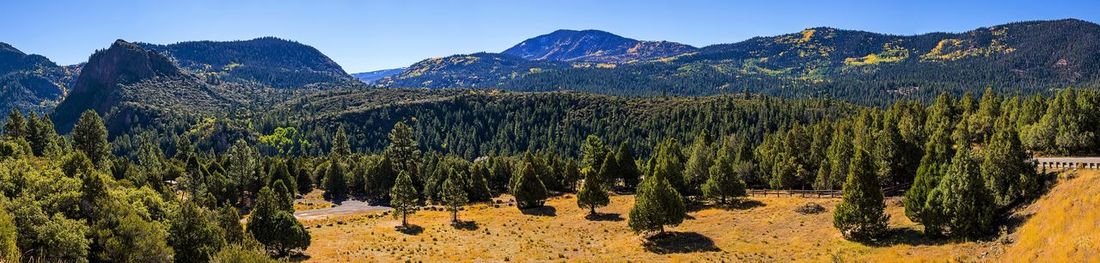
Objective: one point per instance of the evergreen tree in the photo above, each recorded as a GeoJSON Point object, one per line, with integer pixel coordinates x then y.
{"type": "Point", "coordinates": [277, 230]}
{"type": "Point", "coordinates": [193, 236]}
{"type": "Point", "coordinates": [889, 157]}
{"type": "Point", "coordinates": [340, 147]}
{"type": "Point", "coordinates": [961, 205]}
{"type": "Point", "coordinates": [403, 198]}
{"type": "Point", "coordinates": [230, 222]}
{"type": "Point", "coordinates": [403, 151]}
{"type": "Point", "coordinates": [90, 137]}
{"type": "Point", "coordinates": [1006, 169]}
{"type": "Point", "coordinates": [724, 181]}
{"type": "Point", "coordinates": [593, 152]}
{"type": "Point", "coordinates": [477, 185]}
{"type": "Point", "coordinates": [670, 164]}
{"type": "Point", "coordinates": [656, 205]}
{"type": "Point", "coordinates": [9, 251]}
{"type": "Point", "coordinates": [629, 170]}
{"type": "Point", "coordinates": [527, 188]}
{"type": "Point", "coordinates": [861, 213]}
{"type": "Point", "coordinates": [16, 127]}
{"type": "Point", "coordinates": [698, 165]}
{"type": "Point", "coordinates": [839, 155]}
{"type": "Point", "coordinates": [454, 195]}
{"type": "Point", "coordinates": [608, 172]}
{"type": "Point", "coordinates": [280, 172]}
{"type": "Point", "coordinates": [286, 198]}
{"type": "Point", "coordinates": [304, 182]}
{"type": "Point", "coordinates": [592, 194]}
{"type": "Point", "coordinates": [42, 136]}
{"type": "Point", "coordinates": [937, 157]}
{"type": "Point", "coordinates": [336, 185]}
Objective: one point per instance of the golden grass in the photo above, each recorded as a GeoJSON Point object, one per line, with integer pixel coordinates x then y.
{"type": "Point", "coordinates": [1064, 223]}
{"type": "Point", "coordinates": [769, 232]}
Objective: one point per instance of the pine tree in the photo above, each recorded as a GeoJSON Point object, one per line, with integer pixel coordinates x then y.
{"type": "Point", "coordinates": [278, 230]}
{"type": "Point", "coordinates": [403, 198]}
{"type": "Point", "coordinates": [961, 205]}
{"type": "Point", "coordinates": [1005, 168]}
{"type": "Point", "coordinates": [839, 155]}
{"type": "Point", "coordinates": [193, 236]}
{"type": "Point", "coordinates": [656, 205]}
{"type": "Point", "coordinates": [527, 188]}
{"type": "Point", "coordinates": [454, 195]}
{"type": "Point", "coordinates": [937, 156]}
{"type": "Point", "coordinates": [340, 147]}
{"type": "Point", "coordinates": [42, 136]}
{"type": "Point", "coordinates": [230, 222]}
{"type": "Point", "coordinates": [304, 182]}
{"type": "Point", "coordinates": [724, 181]}
{"type": "Point", "coordinates": [16, 127]}
{"type": "Point", "coordinates": [697, 169]}
{"type": "Point", "coordinates": [630, 173]}
{"type": "Point", "coordinates": [593, 152]}
{"type": "Point", "coordinates": [861, 213]}
{"type": "Point", "coordinates": [90, 137]}
{"type": "Point", "coordinates": [670, 164]}
{"type": "Point", "coordinates": [608, 172]}
{"type": "Point", "coordinates": [286, 198]}
{"type": "Point", "coordinates": [593, 194]}
{"type": "Point", "coordinates": [889, 157]}
{"type": "Point", "coordinates": [280, 172]}
{"type": "Point", "coordinates": [403, 151]}
{"type": "Point", "coordinates": [336, 184]}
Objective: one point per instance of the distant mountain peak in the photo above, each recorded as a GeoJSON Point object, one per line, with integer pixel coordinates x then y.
{"type": "Point", "coordinates": [592, 45]}
{"type": "Point", "coordinates": [270, 61]}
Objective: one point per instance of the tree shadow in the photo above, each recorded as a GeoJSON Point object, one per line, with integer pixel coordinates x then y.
{"type": "Point", "coordinates": [411, 229]}
{"type": "Point", "coordinates": [679, 242]}
{"type": "Point", "coordinates": [615, 217]}
{"type": "Point", "coordinates": [736, 204]}
{"type": "Point", "coordinates": [905, 236]}
{"type": "Point", "coordinates": [298, 257]}
{"type": "Point", "coordinates": [465, 225]}
{"type": "Point", "coordinates": [540, 211]}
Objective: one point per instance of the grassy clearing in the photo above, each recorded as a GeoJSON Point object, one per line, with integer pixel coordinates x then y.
{"type": "Point", "coordinates": [1061, 228]}
{"type": "Point", "coordinates": [765, 229]}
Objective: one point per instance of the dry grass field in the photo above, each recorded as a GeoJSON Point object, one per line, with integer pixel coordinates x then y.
{"type": "Point", "coordinates": [764, 229]}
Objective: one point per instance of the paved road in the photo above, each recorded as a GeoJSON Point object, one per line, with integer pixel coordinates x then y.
{"type": "Point", "coordinates": [345, 208]}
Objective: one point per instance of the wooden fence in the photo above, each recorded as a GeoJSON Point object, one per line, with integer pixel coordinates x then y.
{"type": "Point", "coordinates": [798, 193]}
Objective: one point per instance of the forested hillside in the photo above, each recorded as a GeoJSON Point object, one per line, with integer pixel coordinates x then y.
{"type": "Point", "coordinates": [594, 46]}
{"type": "Point", "coordinates": [268, 61]}
{"type": "Point", "coordinates": [31, 82]}
{"type": "Point", "coordinates": [1026, 57]}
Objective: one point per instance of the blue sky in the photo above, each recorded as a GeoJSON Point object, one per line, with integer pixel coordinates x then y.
{"type": "Point", "coordinates": [371, 35]}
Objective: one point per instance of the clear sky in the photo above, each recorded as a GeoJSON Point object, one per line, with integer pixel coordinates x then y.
{"type": "Point", "coordinates": [371, 35]}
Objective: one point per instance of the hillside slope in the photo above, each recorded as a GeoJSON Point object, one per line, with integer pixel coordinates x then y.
{"type": "Point", "coordinates": [1064, 225]}
{"type": "Point", "coordinates": [1025, 57]}
{"type": "Point", "coordinates": [593, 46]}
{"type": "Point", "coordinates": [131, 86]}
{"type": "Point", "coordinates": [31, 82]}
{"type": "Point", "coordinates": [269, 61]}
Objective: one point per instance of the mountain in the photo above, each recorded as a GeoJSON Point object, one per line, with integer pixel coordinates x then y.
{"type": "Point", "coordinates": [594, 46]}
{"type": "Point", "coordinates": [478, 70]}
{"type": "Point", "coordinates": [31, 82]}
{"type": "Point", "coordinates": [1025, 57]}
{"type": "Point", "coordinates": [131, 87]}
{"type": "Point", "coordinates": [267, 61]}
{"type": "Point", "coordinates": [372, 76]}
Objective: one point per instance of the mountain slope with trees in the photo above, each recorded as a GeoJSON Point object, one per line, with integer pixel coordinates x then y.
{"type": "Point", "coordinates": [1028, 57]}
{"type": "Point", "coordinates": [268, 61]}
{"type": "Point", "coordinates": [31, 82]}
{"type": "Point", "coordinates": [593, 46]}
